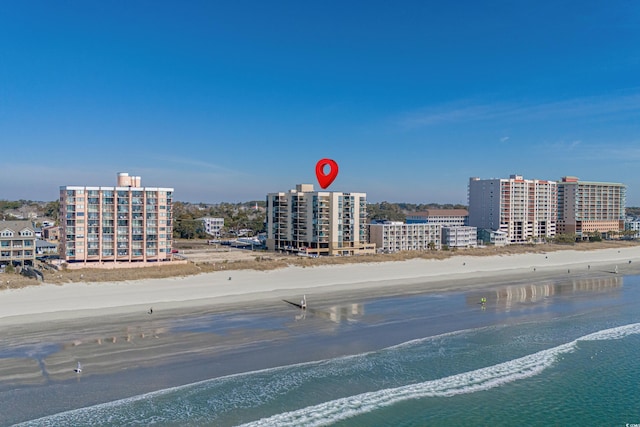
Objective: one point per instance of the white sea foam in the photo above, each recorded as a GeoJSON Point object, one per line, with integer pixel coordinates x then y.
{"type": "Point", "coordinates": [130, 411]}
{"type": "Point", "coordinates": [468, 382]}
{"type": "Point", "coordinates": [281, 378]}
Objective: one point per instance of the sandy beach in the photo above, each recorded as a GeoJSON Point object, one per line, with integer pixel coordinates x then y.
{"type": "Point", "coordinates": [59, 302]}
{"type": "Point", "coordinates": [208, 326]}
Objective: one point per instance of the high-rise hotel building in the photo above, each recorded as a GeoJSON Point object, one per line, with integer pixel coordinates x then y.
{"type": "Point", "coordinates": [318, 222]}
{"type": "Point", "coordinates": [524, 209]}
{"type": "Point", "coordinates": [122, 224]}
{"type": "Point", "coordinates": [586, 207]}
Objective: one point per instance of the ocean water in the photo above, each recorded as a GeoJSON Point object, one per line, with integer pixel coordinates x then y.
{"type": "Point", "coordinates": [552, 354]}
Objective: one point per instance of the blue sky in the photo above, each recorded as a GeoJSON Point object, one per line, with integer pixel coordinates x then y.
{"type": "Point", "coordinates": [227, 101]}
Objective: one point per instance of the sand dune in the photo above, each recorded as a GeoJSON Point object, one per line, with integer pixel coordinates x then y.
{"type": "Point", "coordinates": [54, 302]}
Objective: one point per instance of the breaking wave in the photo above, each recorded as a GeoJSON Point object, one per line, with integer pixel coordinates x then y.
{"type": "Point", "coordinates": [173, 405]}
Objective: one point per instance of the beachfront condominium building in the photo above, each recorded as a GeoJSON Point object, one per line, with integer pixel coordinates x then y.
{"type": "Point", "coordinates": [391, 236]}
{"type": "Point", "coordinates": [317, 222]}
{"type": "Point", "coordinates": [444, 217]}
{"type": "Point", "coordinates": [113, 225]}
{"type": "Point", "coordinates": [525, 209]}
{"type": "Point", "coordinates": [632, 227]}
{"type": "Point", "coordinates": [213, 226]}
{"type": "Point", "coordinates": [17, 243]}
{"type": "Point", "coordinates": [460, 236]}
{"type": "Point", "coordinates": [453, 223]}
{"type": "Point", "coordinates": [590, 207]}
{"type": "Point", "coordinates": [492, 237]}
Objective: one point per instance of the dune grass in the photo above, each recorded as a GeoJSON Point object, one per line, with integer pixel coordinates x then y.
{"type": "Point", "coordinates": [266, 262]}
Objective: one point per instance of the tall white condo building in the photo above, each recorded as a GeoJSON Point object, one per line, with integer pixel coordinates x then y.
{"type": "Point", "coordinates": [525, 209]}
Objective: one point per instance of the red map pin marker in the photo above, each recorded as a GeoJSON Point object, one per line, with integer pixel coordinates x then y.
{"type": "Point", "coordinates": [325, 179]}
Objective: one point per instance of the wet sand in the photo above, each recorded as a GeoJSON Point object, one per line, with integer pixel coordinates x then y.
{"type": "Point", "coordinates": [79, 300]}
{"type": "Point", "coordinates": [126, 352]}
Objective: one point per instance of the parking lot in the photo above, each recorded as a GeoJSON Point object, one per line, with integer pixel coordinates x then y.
{"type": "Point", "coordinates": [199, 251]}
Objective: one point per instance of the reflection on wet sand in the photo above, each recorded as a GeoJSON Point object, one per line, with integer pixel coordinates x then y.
{"type": "Point", "coordinates": [336, 313]}
{"type": "Point", "coordinates": [104, 350]}
{"type": "Point", "coordinates": [505, 297]}
{"type": "Point", "coordinates": [98, 353]}
{"type": "Point", "coordinates": [50, 353]}
{"type": "Point", "coordinates": [132, 347]}
{"type": "Point", "coordinates": [21, 370]}
{"type": "Point", "coordinates": [339, 313]}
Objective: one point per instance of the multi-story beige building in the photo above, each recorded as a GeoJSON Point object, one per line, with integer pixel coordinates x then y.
{"type": "Point", "coordinates": [318, 222]}
{"type": "Point", "coordinates": [453, 222]}
{"type": "Point", "coordinates": [122, 224]}
{"type": "Point", "coordinates": [444, 217]}
{"type": "Point", "coordinates": [587, 207]}
{"type": "Point", "coordinates": [392, 236]}
{"type": "Point", "coordinates": [525, 209]}
{"type": "Point", "coordinates": [460, 236]}
{"type": "Point", "coordinates": [17, 243]}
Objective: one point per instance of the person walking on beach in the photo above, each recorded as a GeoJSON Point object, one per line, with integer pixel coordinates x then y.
{"type": "Point", "coordinates": [150, 311]}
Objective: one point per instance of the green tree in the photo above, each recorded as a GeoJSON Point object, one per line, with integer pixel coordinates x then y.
{"type": "Point", "coordinates": [385, 211]}
{"type": "Point", "coordinates": [565, 238]}
{"type": "Point", "coordinates": [52, 210]}
{"type": "Point", "coordinates": [633, 210]}
{"type": "Point", "coordinates": [594, 236]}
{"type": "Point", "coordinates": [189, 229]}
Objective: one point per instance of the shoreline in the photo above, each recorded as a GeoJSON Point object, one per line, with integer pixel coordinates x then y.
{"type": "Point", "coordinates": [227, 288]}
{"type": "Point", "coordinates": [353, 309]}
